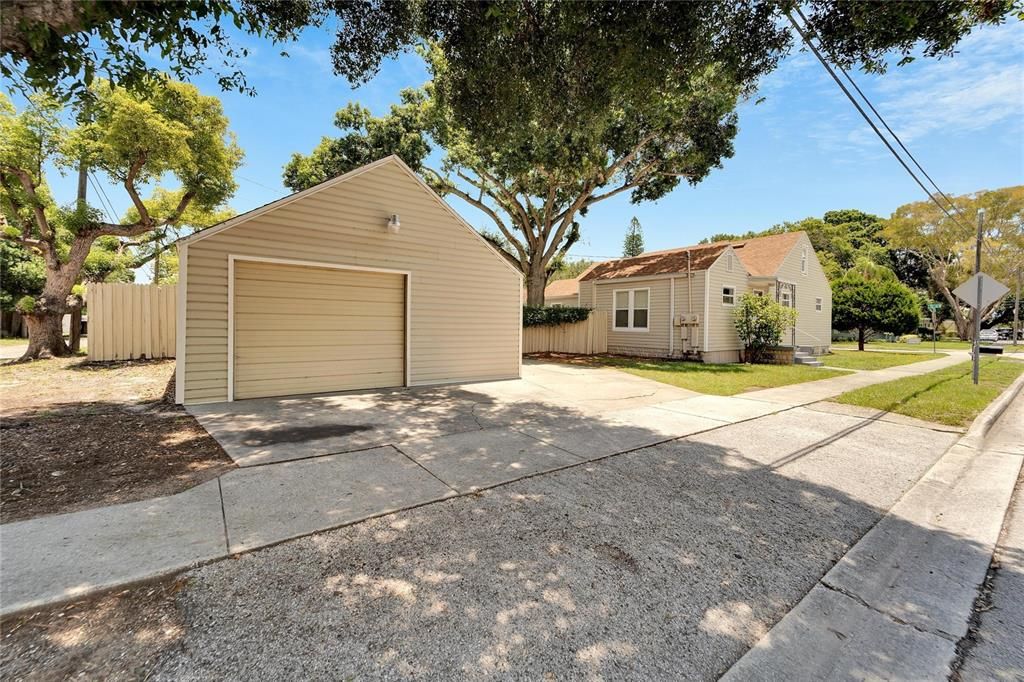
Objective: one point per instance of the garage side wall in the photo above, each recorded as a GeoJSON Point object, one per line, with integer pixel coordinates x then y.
{"type": "Point", "coordinates": [464, 305]}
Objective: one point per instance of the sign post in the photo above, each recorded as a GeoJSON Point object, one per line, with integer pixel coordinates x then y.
{"type": "Point", "coordinates": [979, 292]}
{"type": "Point", "coordinates": [977, 308]}
{"type": "Point", "coordinates": [934, 307]}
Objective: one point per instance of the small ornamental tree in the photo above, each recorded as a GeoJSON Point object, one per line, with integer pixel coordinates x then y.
{"type": "Point", "coordinates": [173, 133]}
{"type": "Point", "coordinates": [760, 323]}
{"type": "Point", "coordinates": [871, 299]}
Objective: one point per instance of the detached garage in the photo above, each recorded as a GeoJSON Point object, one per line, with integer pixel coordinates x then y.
{"type": "Point", "coordinates": [368, 280]}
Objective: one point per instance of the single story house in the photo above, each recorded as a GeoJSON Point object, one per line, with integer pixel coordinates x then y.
{"type": "Point", "coordinates": [679, 303]}
{"type": "Point", "coordinates": [563, 292]}
{"type": "Point", "coordinates": [346, 285]}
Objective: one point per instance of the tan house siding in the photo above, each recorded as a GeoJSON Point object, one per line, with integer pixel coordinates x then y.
{"type": "Point", "coordinates": [345, 224]}
{"type": "Point", "coordinates": [587, 295]}
{"type": "Point", "coordinates": [571, 301]}
{"type": "Point", "coordinates": [655, 341]}
{"type": "Point", "coordinates": [689, 299]}
{"type": "Point", "coordinates": [720, 321]}
{"type": "Point", "coordinates": [814, 328]}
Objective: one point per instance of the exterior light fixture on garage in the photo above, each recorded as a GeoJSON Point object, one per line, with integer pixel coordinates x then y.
{"type": "Point", "coordinates": [394, 224]}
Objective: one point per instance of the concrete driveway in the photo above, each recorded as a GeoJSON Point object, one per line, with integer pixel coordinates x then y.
{"type": "Point", "coordinates": [667, 562]}
{"type": "Point", "coordinates": [271, 430]}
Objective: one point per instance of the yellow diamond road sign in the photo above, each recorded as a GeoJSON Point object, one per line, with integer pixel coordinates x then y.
{"type": "Point", "coordinates": [991, 290]}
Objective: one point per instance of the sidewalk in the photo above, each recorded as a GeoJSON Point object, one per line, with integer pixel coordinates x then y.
{"type": "Point", "coordinates": [54, 558]}
{"type": "Point", "coordinates": [898, 603]}
{"type": "Point", "coordinates": [815, 391]}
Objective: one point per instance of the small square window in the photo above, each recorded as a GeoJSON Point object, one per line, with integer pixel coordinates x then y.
{"type": "Point", "coordinates": [817, 304]}
{"type": "Point", "coordinates": [786, 299]}
{"type": "Point", "coordinates": [728, 295]}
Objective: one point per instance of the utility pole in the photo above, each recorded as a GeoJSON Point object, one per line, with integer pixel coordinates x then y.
{"type": "Point", "coordinates": [977, 307]}
{"type": "Point", "coordinates": [1016, 308]}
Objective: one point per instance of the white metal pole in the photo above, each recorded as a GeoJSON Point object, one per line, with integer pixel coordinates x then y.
{"type": "Point", "coordinates": [977, 302]}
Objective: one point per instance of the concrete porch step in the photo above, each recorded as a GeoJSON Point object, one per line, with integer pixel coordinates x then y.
{"type": "Point", "coordinates": [805, 359]}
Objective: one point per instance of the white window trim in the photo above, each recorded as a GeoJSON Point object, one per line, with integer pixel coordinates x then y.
{"type": "Point", "coordinates": [631, 293]}
{"type": "Point", "coordinates": [803, 262]}
{"type": "Point", "coordinates": [729, 305]}
{"type": "Point", "coordinates": [232, 258]}
{"type": "Point", "coordinates": [819, 304]}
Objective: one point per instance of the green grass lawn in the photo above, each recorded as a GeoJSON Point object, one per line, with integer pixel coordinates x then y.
{"type": "Point", "coordinates": [717, 379]}
{"type": "Point", "coordinates": [947, 396]}
{"type": "Point", "coordinates": [852, 359]}
{"type": "Point", "coordinates": [925, 345]}
{"type": "Point", "coordinates": [13, 342]}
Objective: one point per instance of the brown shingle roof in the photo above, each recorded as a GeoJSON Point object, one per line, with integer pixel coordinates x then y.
{"type": "Point", "coordinates": [760, 256]}
{"type": "Point", "coordinates": [658, 262]}
{"type": "Point", "coordinates": [562, 287]}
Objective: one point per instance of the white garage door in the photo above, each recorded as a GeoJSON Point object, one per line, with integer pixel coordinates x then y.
{"type": "Point", "coordinates": [302, 329]}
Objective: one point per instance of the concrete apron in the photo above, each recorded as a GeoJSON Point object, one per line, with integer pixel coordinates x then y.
{"type": "Point", "coordinates": [896, 605]}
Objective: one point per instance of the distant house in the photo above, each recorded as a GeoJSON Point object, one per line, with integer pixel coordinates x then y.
{"type": "Point", "coordinates": [680, 302]}
{"type": "Point", "coordinates": [562, 292]}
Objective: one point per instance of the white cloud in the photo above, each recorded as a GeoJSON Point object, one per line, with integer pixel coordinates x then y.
{"type": "Point", "coordinates": [980, 87]}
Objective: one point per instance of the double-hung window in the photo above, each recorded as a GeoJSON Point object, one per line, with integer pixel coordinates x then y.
{"type": "Point", "coordinates": [631, 309]}
{"type": "Point", "coordinates": [786, 298]}
{"type": "Point", "coordinates": [728, 295]}
{"type": "Point", "coordinates": [817, 304]}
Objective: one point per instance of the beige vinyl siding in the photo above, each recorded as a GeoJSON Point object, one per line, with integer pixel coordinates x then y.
{"type": "Point", "coordinates": [689, 299]}
{"type": "Point", "coordinates": [586, 294]}
{"type": "Point", "coordinates": [344, 329]}
{"type": "Point", "coordinates": [655, 341]}
{"type": "Point", "coordinates": [570, 301]}
{"type": "Point", "coordinates": [813, 328]}
{"type": "Point", "coordinates": [721, 328]}
{"type": "Point", "coordinates": [464, 301]}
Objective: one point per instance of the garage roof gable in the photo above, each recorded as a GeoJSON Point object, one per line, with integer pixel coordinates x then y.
{"type": "Point", "coordinates": [327, 184]}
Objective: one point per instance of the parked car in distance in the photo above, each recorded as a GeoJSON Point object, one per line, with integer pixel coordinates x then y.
{"type": "Point", "coordinates": [988, 336]}
{"type": "Point", "coordinates": [1005, 334]}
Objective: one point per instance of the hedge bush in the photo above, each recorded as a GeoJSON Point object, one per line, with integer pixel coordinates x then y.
{"type": "Point", "coordinates": [535, 316]}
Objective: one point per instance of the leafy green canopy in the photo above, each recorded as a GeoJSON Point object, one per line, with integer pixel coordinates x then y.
{"type": "Point", "coordinates": [62, 46]}
{"type": "Point", "coordinates": [946, 246]}
{"type": "Point", "coordinates": [869, 298]}
{"type": "Point", "coordinates": [174, 132]}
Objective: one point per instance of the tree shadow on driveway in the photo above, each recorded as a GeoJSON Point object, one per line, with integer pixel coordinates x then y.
{"type": "Point", "coordinates": [665, 562]}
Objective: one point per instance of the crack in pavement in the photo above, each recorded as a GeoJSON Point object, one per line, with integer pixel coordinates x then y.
{"type": "Point", "coordinates": [896, 619]}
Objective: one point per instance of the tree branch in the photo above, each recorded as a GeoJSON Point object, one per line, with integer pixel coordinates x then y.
{"type": "Point", "coordinates": [42, 224]}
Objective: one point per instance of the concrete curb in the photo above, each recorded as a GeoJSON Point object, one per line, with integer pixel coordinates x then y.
{"type": "Point", "coordinates": [879, 607]}
{"type": "Point", "coordinates": [983, 423]}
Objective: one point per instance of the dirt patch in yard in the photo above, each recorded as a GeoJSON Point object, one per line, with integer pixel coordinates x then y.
{"type": "Point", "coordinates": [77, 435]}
{"type": "Point", "coordinates": [113, 636]}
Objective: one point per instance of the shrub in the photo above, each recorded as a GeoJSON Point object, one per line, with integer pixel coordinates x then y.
{"type": "Point", "coordinates": [535, 316]}
{"type": "Point", "coordinates": [760, 322]}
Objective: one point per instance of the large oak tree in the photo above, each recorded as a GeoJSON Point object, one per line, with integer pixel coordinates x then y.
{"type": "Point", "coordinates": [946, 243]}
{"type": "Point", "coordinates": [174, 132]}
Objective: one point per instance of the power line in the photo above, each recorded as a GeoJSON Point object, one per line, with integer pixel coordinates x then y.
{"type": "Point", "coordinates": [807, 41]}
{"type": "Point", "coordinates": [96, 190]}
{"type": "Point", "coordinates": [881, 118]}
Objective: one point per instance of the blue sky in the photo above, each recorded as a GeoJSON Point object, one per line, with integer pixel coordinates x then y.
{"type": "Point", "coordinates": [802, 151]}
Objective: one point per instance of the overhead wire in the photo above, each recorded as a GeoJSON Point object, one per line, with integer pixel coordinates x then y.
{"type": "Point", "coordinates": [931, 195]}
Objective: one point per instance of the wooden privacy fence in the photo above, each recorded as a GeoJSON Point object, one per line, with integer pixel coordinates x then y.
{"type": "Point", "coordinates": [130, 321]}
{"type": "Point", "coordinates": [583, 338]}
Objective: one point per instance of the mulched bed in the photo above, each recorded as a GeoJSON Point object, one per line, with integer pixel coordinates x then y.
{"type": "Point", "coordinates": [75, 436]}
{"type": "Point", "coordinates": [119, 635]}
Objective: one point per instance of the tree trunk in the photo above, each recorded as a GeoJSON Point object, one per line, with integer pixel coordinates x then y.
{"type": "Point", "coordinates": [860, 339]}
{"type": "Point", "coordinates": [536, 280]}
{"type": "Point", "coordinates": [45, 336]}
